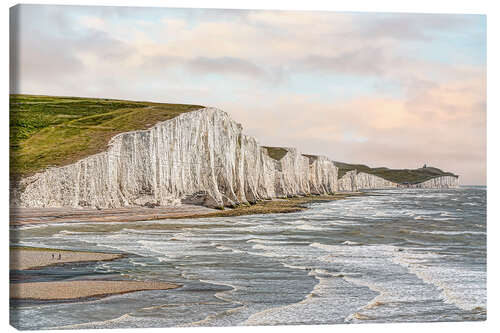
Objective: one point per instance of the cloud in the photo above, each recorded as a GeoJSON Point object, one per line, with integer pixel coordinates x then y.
{"type": "Point", "coordinates": [411, 26]}
{"type": "Point", "coordinates": [102, 46]}
{"type": "Point", "coordinates": [224, 65]}
{"type": "Point", "coordinates": [92, 22]}
{"type": "Point", "coordinates": [366, 61]}
{"type": "Point", "coordinates": [442, 124]}
{"type": "Point", "coordinates": [37, 59]}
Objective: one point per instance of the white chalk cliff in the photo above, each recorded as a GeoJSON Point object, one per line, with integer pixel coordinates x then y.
{"type": "Point", "coordinates": [438, 182]}
{"type": "Point", "coordinates": [199, 157]}
{"type": "Point", "coordinates": [353, 181]}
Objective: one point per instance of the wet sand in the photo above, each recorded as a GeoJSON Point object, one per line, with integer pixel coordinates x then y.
{"type": "Point", "coordinates": [68, 290]}
{"type": "Point", "coordinates": [32, 258]}
{"type": "Point", "coordinates": [21, 216]}
{"type": "Point", "coordinates": [35, 258]}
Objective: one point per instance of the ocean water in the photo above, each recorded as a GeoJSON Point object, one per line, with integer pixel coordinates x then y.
{"type": "Point", "coordinates": [408, 255]}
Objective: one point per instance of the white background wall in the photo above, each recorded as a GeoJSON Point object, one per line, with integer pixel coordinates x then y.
{"type": "Point", "coordinates": [425, 6]}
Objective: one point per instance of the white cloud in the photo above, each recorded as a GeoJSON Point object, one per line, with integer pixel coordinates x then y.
{"type": "Point", "coordinates": [91, 22]}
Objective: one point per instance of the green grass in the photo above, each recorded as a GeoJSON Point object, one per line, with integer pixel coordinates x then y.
{"type": "Point", "coordinates": [395, 175]}
{"type": "Point", "coordinates": [276, 153]}
{"type": "Point", "coordinates": [55, 131]}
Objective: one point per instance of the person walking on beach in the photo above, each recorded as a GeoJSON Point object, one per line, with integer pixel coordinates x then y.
{"type": "Point", "coordinates": [52, 255]}
{"type": "Point", "coordinates": [59, 257]}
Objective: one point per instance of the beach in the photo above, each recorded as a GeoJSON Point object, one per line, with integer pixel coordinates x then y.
{"type": "Point", "coordinates": [32, 258]}
{"type": "Point", "coordinates": [24, 216]}
{"type": "Point", "coordinates": [67, 290]}
{"type": "Point", "coordinates": [27, 258]}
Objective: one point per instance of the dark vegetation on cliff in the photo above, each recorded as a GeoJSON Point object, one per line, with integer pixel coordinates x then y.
{"type": "Point", "coordinates": [395, 175]}
{"type": "Point", "coordinates": [276, 153]}
{"type": "Point", "coordinates": [54, 131]}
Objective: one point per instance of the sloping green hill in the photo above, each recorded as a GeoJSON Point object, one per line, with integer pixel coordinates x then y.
{"type": "Point", "coordinates": [55, 131]}
{"type": "Point", "coordinates": [395, 175]}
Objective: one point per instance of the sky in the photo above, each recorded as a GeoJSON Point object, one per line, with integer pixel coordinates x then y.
{"type": "Point", "coordinates": [382, 89]}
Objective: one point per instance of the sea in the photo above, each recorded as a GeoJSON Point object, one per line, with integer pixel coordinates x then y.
{"type": "Point", "coordinates": [405, 255]}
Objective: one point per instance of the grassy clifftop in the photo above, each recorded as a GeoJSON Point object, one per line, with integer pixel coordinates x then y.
{"type": "Point", "coordinates": [395, 175]}
{"type": "Point", "coordinates": [55, 131]}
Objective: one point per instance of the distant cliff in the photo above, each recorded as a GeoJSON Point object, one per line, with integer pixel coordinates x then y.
{"type": "Point", "coordinates": [198, 157]}
{"type": "Point", "coordinates": [438, 182]}
{"type": "Point", "coordinates": [399, 176]}
{"type": "Point", "coordinates": [353, 181]}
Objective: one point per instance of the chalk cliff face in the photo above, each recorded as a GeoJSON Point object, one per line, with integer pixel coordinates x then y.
{"type": "Point", "coordinates": [353, 181]}
{"type": "Point", "coordinates": [322, 175]}
{"type": "Point", "coordinates": [348, 183]}
{"type": "Point", "coordinates": [368, 181]}
{"type": "Point", "coordinates": [199, 157]}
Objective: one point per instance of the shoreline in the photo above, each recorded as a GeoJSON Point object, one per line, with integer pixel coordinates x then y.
{"type": "Point", "coordinates": [32, 259]}
{"type": "Point", "coordinates": [26, 216]}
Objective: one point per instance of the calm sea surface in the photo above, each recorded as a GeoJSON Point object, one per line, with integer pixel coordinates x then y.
{"type": "Point", "coordinates": [395, 256]}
